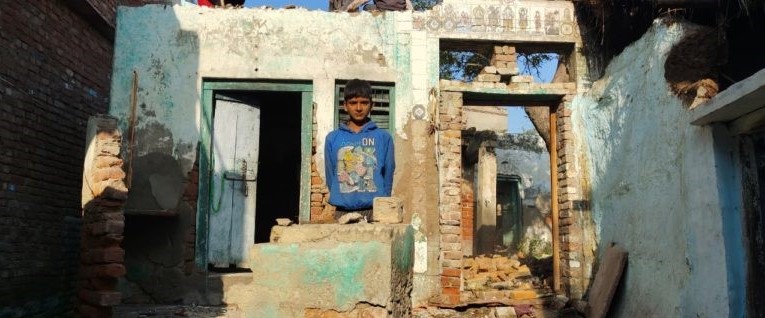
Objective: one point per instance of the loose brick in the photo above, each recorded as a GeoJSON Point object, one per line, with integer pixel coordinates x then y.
{"type": "Point", "coordinates": [100, 298]}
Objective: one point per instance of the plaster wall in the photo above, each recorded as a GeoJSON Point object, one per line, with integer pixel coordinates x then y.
{"type": "Point", "coordinates": [190, 43]}
{"type": "Point", "coordinates": [653, 185]}
{"type": "Point", "coordinates": [486, 201]}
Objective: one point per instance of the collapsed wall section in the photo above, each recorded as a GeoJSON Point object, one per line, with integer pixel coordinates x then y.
{"type": "Point", "coordinates": [652, 184]}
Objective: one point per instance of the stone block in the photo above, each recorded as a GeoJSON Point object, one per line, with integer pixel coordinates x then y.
{"type": "Point", "coordinates": [489, 70]}
{"type": "Point", "coordinates": [522, 79]}
{"type": "Point", "coordinates": [522, 294]}
{"type": "Point", "coordinates": [504, 58]}
{"type": "Point", "coordinates": [487, 78]}
{"type": "Point", "coordinates": [505, 312]}
{"type": "Point", "coordinates": [388, 210]}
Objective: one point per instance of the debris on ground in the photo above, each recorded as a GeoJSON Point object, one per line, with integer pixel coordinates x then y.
{"type": "Point", "coordinates": [174, 311]}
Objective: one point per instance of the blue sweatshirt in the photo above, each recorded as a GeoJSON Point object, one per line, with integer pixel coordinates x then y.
{"type": "Point", "coordinates": [359, 166]}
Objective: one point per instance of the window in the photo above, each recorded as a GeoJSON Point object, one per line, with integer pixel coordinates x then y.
{"type": "Point", "coordinates": [382, 105]}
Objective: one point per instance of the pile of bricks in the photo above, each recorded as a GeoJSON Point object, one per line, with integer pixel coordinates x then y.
{"type": "Point", "coordinates": [104, 195]}
{"type": "Point", "coordinates": [501, 277]}
{"type": "Point", "coordinates": [503, 68]}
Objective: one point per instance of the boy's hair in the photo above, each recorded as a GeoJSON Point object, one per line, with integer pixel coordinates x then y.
{"type": "Point", "coordinates": [357, 88]}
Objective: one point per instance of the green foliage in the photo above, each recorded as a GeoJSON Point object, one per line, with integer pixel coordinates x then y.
{"type": "Point", "coordinates": [420, 5]}
{"type": "Point", "coordinates": [532, 62]}
{"type": "Point", "coordinates": [463, 66]}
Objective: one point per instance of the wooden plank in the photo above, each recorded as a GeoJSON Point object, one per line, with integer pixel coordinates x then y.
{"type": "Point", "coordinates": [246, 151]}
{"type": "Point", "coordinates": [606, 280]}
{"type": "Point", "coordinates": [235, 145]}
{"type": "Point", "coordinates": [553, 151]}
{"type": "Point", "coordinates": [222, 190]}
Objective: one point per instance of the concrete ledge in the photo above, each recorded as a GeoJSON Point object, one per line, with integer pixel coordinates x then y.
{"type": "Point", "coordinates": [737, 100]}
{"type": "Point", "coordinates": [500, 94]}
{"type": "Point", "coordinates": [330, 268]}
{"type": "Point", "coordinates": [357, 232]}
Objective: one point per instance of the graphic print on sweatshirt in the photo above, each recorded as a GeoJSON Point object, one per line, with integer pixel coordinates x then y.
{"type": "Point", "coordinates": [356, 166]}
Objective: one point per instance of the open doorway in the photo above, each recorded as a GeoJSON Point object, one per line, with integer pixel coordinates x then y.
{"type": "Point", "coordinates": [277, 192]}
{"type": "Point", "coordinates": [508, 228]}
{"type": "Point", "coordinates": [258, 168]}
{"type": "Point", "coordinates": [753, 163]}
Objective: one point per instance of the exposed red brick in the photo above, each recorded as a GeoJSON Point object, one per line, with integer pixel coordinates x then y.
{"type": "Point", "coordinates": [450, 282]}
{"type": "Point", "coordinates": [108, 255]}
{"type": "Point", "coordinates": [451, 272]}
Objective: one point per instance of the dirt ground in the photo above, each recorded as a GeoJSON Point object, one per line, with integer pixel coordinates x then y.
{"type": "Point", "coordinates": [173, 311]}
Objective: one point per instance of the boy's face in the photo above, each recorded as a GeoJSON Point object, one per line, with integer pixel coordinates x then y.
{"type": "Point", "coordinates": [358, 108]}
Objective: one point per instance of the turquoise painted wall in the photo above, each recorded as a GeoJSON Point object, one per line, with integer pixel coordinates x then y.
{"type": "Point", "coordinates": [654, 186]}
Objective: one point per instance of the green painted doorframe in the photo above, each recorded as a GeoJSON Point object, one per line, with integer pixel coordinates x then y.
{"type": "Point", "coordinates": [209, 87]}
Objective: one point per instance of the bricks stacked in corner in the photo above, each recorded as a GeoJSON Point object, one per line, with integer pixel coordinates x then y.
{"type": "Point", "coordinates": [102, 257]}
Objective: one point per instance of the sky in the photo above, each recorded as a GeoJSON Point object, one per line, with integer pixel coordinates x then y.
{"type": "Point", "coordinates": [517, 121]}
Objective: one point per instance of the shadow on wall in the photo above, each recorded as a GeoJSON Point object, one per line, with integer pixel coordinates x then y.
{"type": "Point", "coordinates": [161, 209]}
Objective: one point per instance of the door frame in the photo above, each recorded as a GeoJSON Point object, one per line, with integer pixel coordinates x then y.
{"type": "Point", "coordinates": [209, 87]}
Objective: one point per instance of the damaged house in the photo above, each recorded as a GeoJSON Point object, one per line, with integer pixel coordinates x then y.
{"type": "Point", "coordinates": [638, 193]}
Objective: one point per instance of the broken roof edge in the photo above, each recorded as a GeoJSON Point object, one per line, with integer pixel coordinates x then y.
{"type": "Point", "coordinates": [187, 3]}
{"type": "Point", "coordinates": [737, 100]}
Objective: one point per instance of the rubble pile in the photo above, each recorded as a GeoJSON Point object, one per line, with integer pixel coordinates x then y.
{"type": "Point", "coordinates": [497, 278]}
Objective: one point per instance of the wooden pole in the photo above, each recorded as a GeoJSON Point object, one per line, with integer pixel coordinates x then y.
{"type": "Point", "coordinates": [554, 196]}
{"type": "Point", "coordinates": [131, 129]}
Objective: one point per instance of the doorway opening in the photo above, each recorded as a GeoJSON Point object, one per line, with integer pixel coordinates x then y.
{"type": "Point", "coordinates": [507, 187]}
{"type": "Point", "coordinates": [753, 163]}
{"type": "Point", "coordinates": [256, 157]}
{"type": "Point", "coordinates": [278, 170]}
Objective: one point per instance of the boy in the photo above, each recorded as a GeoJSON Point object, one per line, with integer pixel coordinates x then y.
{"type": "Point", "coordinates": [358, 156]}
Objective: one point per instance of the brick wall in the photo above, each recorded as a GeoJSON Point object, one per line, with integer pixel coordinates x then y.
{"type": "Point", "coordinates": [321, 210]}
{"type": "Point", "coordinates": [576, 253]}
{"type": "Point", "coordinates": [54, 74]}
{"type": "Point", "coordinates": [104, 195]}
{"type": "Point", "coordinates": [468, 214]}
{"type": "Point", "coordinates": [449, 128]}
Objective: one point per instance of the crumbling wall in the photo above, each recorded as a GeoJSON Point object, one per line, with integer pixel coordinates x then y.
{"type": "Point", "coordinates": [164, 67]}
{"type": "Point", "coordinates": [103, 199]}
{"type": "Point", "coordinates": [653, 184]}
{"type": "Point", "coordinates": [329, 270]}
